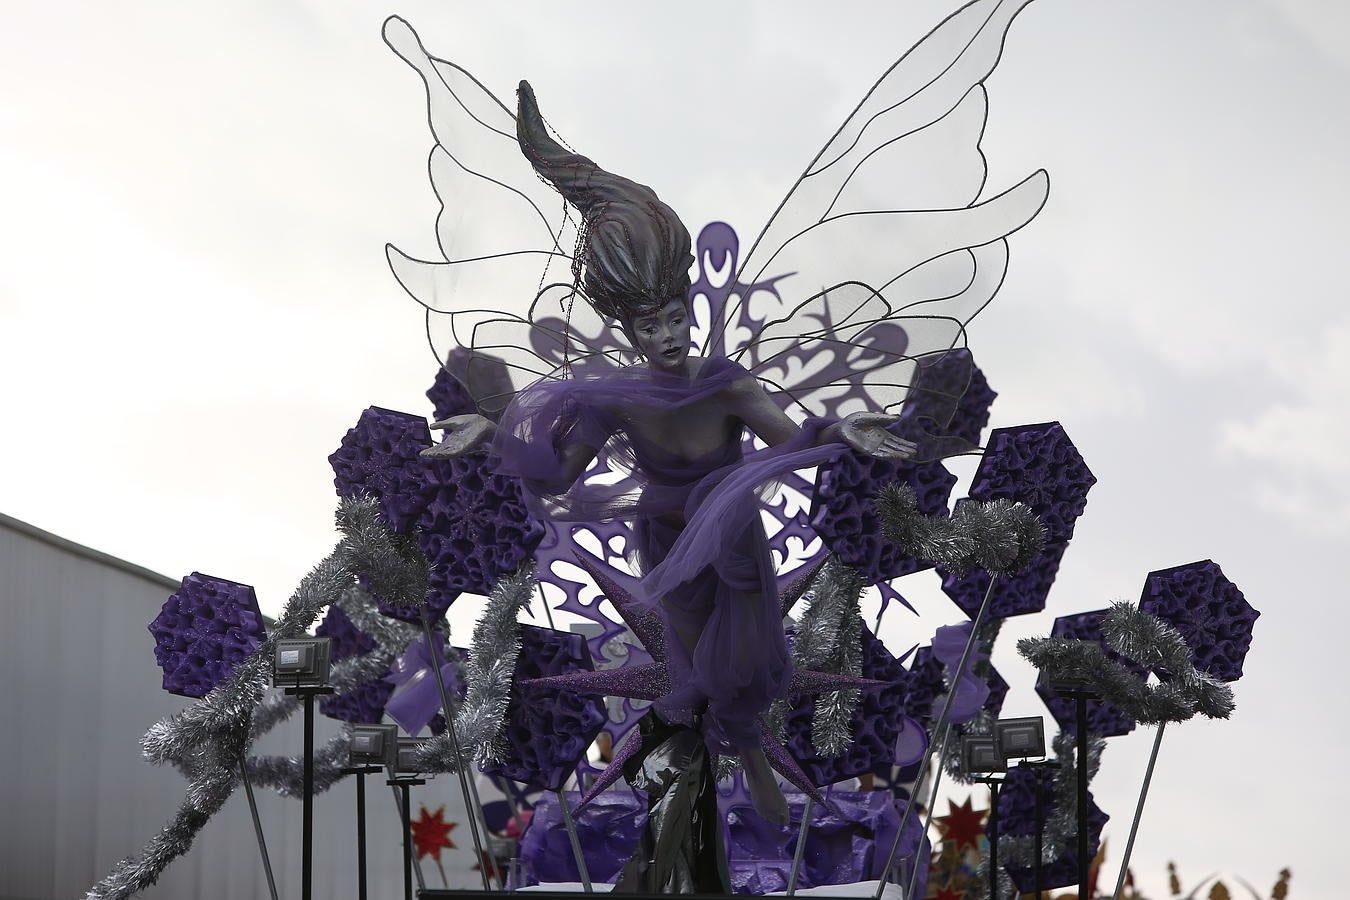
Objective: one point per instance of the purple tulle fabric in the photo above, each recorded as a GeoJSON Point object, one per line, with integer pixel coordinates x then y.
{"type": "Point", "coordinates": [700, 546]}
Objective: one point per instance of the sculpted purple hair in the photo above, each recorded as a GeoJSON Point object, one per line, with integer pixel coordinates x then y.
{"type": "Point", "coordinates": [633, 249]}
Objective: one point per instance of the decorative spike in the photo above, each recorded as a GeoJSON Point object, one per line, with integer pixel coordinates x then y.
{"type": "Point", "coordinates": [798, 585]}
{"type": "Point", "coordinates": [807, 681]}
{"type": "Point", "coordinates": [614, 770]}
{"type": "Point", "coordinates": [785, 765]}
{"type": "Point", "coordinates": [644, 623]}
{"type": "Point", "coordinates": [645, 682]}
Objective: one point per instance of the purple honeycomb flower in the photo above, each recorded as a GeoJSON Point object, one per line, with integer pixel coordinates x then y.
{"type": "Point", "coordinates": [547, 730]}
{"type": "Point", "coordinates": [474, 526]}
{"type": "Point", "coordinates": [842, 512]}
{"type": "Point", "coordinates": [1017, 817]}
{"type": "Point", "coordinates": [876, 722]}
{"type": "Point", "coordinates": [379, 458]}
{"type": "Point", "coordinates": [1210, 612]}
{"type": "Point", "coordinates": [449, 397]}
{"type": "Point", "coordinates": [937, 382]}
{"type": "Point", "coordinates": [203, 631]}
{"type": "Point", "coordinates": [362, 705]}
{"type": "Point", "coordinates": [1039, 466]}
{"type": "Point", "coordinates": [1014, 595]}
{"type": "Point", "coordinates": [1104, 720]}
{"type": "Point", "coordinates": [344, 638]}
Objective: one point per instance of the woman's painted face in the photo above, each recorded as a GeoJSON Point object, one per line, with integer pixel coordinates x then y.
{"type": "Point", "coordinates": [663, 335]}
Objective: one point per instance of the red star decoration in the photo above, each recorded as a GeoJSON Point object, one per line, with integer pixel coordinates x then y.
{"type": "Point", "coordinates": [431, 833]}
{"type": "Point", "coordinates": [948, 893]}
{"type": "Point", "coordinates": [962, 825]}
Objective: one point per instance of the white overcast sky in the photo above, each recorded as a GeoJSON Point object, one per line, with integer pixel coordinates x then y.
{"type": "Point", "coordinates": [194, 304]}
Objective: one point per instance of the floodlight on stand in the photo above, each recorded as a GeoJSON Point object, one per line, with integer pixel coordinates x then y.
{"type": "Point", "coordinates": [1022, 738]}
{"type": "Point", "coordinates": [1069, 686]}
{"type": "Point", "coordinates": [405, 757]}
{"type": "Point", "coordinates": [301, 662]}
{"type": "Point", "coordinates": [373, 745]}
{"type": "Point", "coordinates": [981, 756]}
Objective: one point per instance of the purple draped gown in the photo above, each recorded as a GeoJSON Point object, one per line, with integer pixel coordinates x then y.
{"type": "Point", "coordinates": [700, 545]}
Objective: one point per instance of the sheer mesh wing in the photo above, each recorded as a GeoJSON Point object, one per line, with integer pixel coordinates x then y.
{"type": "Point", "coordinates": [503, 236]}
{"type": "Point", "coordinates": [897, 248]}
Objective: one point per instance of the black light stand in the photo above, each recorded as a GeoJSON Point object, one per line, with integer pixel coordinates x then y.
{"type": "Point", "coordinates": [983, 759]}
{"type": "Point", "coordinates": [1038, 770]}
{"type": "Point", "coordinates": [373, 748]}
{"type": "Point", "coordinates": [301, 667]}
{"type": "Point", "coordinates": [403, 784]}
{"type": "Point", "coordinates": [361, 772]}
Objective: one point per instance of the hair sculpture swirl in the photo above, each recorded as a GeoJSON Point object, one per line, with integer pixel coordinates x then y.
{"type": "Point", "coordinates": [633, 249]}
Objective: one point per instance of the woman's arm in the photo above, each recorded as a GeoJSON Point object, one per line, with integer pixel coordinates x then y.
{"type": "Point", "coordinates": [865, 432]}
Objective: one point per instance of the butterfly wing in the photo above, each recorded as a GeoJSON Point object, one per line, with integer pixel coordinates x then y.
{"type": "Point", "coordinates": [502, 235]}
{"type": "Point", "coordinates": [898, 243]}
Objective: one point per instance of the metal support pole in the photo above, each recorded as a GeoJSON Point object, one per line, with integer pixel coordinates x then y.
{"type": "Point", "coordinates": [575, 840]}
{"type": "Point", "coordinates": [257, 827]}
{"type": "Point", "coordinates": [474, 808]}
{"type": "Point", "coordinates": [361, 835]}
{"type": "Point", "coordinates": [801, 846]}
{"type": "Point", "coordinates": [1082, 702]}
{"type": "Point", "coordinates": [993, 839]}
{"type": "Point", "coordinates": [1037, 877]}
{"type": "Point", "coordinates": [1139, 811]}
{"type": "Point", "coordinates": [405, 805]}
{"type": "Point", "coordinates": [307, 819]}
{"type": "Point", "coordinates": [940, 727]}
{"type": "Point", "coordinates": [405, 815]}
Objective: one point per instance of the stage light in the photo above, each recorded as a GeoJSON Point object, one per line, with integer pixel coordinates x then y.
{"type": "Point", "coordinates": [405, 757]}
{"type": "Point", "coordinates": [1020, 738]}
{"type": "Point", "coordinates": [301, 662]}
{"type": "Point", "coordinates": [373, 745]}
{"type": "Point", "coordinates": [981, 755]}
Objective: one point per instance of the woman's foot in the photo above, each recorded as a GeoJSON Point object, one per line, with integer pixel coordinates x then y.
{"type": "Point", "coordinates": [765, 794]}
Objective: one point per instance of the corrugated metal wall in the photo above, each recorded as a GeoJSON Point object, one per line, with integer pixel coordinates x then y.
{"type": "Point", "coordinates": [79, 687]}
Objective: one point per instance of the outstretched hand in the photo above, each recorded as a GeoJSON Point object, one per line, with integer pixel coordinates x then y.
{"type": "Point", "coordinates": [464, 435]}
{"type": "Point", "coordinates": [866, 432]}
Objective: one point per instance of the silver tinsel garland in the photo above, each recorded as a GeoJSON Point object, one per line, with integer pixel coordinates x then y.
{"type": "Point", "coordinates": [489, 673]}
{"type": "Point", "coordinates": [209, 740]}
{"type": "Point", "coordinates": [829, 639]}
{"type": "Point", "coordinates": [1000, 536]}
{"type": "Point", "coordinates": [1152, 643]}
{"type": "Point", "coordinates": [983, 721]}
{"type": "Point", "coordinates": [1061, 825]}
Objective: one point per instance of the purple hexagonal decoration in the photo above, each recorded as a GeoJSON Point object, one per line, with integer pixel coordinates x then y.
{"type": "Point", "coordinates": [1104, 720]}
{"type": "Point", "coordinates": [203, 631]}
{"type": "Point", "coordinates": [345, 640]}
{"type": "Point", "coordinates": [449, 397]}
{"type": "Point", "coordinates": [876, 723]}
{"type": "Point", "coordinates": [474, 525]}
{"type": "Point", "coordinates": [998, 691]}
{"type": "Point", "coordinates": [363, 704]}
{"type": "Point", "coordinates": [936, 382]}
{"type": "Point", "coordinates": [1213, 617]}
{"type": "Point", "coordinates": [547, 730]}
{"type": "Point", "coordinates": [1013, 595]}
{"type": "Point", "coordinates": [1017, 818]}
{"type": "Point", "coordinates": [1037, 465]}
{"type": "Point", "coordinates": [379, 458]}
{"type": "Point", "coordinates": [843, 514]}
{"type": "Point", "coordinates": [925, 684]}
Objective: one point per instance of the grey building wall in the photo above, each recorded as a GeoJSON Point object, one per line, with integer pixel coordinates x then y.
{"type": "Point", "coordinates": [79, 687]}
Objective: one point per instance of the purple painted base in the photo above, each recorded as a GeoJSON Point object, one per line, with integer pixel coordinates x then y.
{"type": "Point", "coordinates": [838, 850]}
